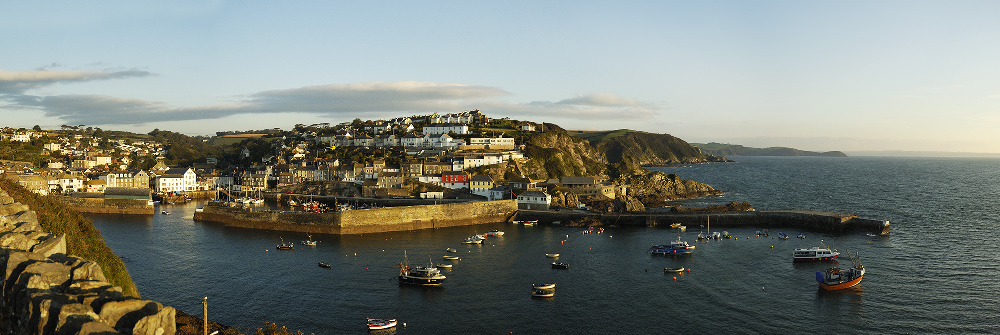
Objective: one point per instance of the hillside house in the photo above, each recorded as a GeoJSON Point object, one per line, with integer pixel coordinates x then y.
{"type": "Point", "coordinates": [536, 200]}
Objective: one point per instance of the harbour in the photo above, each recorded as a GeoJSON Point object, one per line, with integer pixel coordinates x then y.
{"type": "Point", "coordinates": [612, 284]}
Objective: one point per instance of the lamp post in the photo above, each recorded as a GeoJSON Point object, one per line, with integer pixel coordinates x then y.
{"type": "Point", "coordinates": [204, 305]}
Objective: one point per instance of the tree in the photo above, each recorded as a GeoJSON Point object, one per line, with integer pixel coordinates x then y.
{"type": "Point", "coordinates": [36, 128]}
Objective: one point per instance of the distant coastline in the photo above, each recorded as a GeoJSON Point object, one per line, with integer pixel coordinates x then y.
{"type": "Point", "coordinates": [722, 149]}
{"type": "Point", "coordinates": [942, 154]}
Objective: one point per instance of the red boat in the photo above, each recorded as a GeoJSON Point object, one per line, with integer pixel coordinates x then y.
{"type": "Point", "coordinates": [838, 279]}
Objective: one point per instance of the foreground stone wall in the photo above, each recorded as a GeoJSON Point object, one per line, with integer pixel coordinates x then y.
{"type": "Point", "coordinates": [365, 221]}
{"type": "Point", "coordinates": [107, 206]}
{"type": "Point", "coordinates": [46, 291]}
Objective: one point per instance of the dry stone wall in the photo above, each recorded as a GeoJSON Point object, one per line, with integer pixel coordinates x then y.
{"type": "Point", "coordinates": [46, 291]}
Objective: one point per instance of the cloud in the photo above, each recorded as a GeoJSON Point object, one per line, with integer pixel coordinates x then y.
{"type": "Point", "coordinates": [356, 99]}
{"type": "Point", "coordinates": [17, 82]}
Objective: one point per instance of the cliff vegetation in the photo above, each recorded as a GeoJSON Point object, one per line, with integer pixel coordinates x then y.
{"type": "Point", "coordinates": [82, 238]}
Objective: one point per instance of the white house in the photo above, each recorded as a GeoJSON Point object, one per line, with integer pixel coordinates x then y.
{"type": "Point", "coordinates": [176, 180]}
{"type": "Point", "coordinates": [444, 128]}
{"type": "Point", "coordinates": [534, 200]}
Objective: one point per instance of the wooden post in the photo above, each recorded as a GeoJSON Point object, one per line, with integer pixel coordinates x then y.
{"type": "Point", "coordinates": [204, 305]}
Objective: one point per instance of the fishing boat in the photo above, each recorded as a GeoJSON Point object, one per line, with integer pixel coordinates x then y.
{"type": "Point", "coordinates": [552, 255]}
{"type": "Point", "coordinates": [420, 275]}
{"type": "Point", "coordinates": [309, 241]}
{"type": "Point", "coordinates": [285, 246]}
{"type": "Point", "coordinates": [377, 324]}
{"type": "Point", "coordinates": [451, 258]}
{"type": "Point", "coordinates": [674, 248]}
{"type": "Point", "coordinates": [673, 270]}
{"type": "Point", "coordinates": [814, 254]}
{"type": "Point", "coordinates": [544, 286]}
{"type": "Point", "coordinates": [324, 265]}
{"type": "Point", "coordinates": [561, 266]}
{"type": "Point", "coordinates": [543, 293]}
{"type": "Point", "coordinates": [838, 279]}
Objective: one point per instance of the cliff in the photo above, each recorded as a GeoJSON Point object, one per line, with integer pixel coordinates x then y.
{"type": "Point", "coordinates": [720, 149]}
{"type": "Point", "coordinates": [628, 151]}
{"type": "Point", "coordinates": [47, 290]}
{"type": "Point", "coordinates": [555, 153]}
{"type": "Point", "coordinates": [654, 189]}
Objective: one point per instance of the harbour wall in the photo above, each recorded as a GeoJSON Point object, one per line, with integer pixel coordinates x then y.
{"type": "Point", "coordinates": [819, 221]}
{"type": "Point", "coordinates": [364, 221]}
{"type": "Point", "coordinates": [46, 291]}
{"type": "Point", "coordinates": [107, 206]}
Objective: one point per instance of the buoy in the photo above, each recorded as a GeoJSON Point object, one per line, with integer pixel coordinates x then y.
{"type": "Point", "coordinates": [689, 270]}
{"type": "Point", "coordinates": [761, 288]}
{"type": "Point", "coordinates": [675, 278]}
{"type": "Point", "coordinates": [772, 247]}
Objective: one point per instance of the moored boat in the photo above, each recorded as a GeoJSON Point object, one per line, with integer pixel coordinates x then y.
{"type": "Point", "coordinates": [838, 279]}
{"type": "Point", "coordinates": [324, 265]}
{"type": "Point", "coordinates": [782, 235]}
{"type": "Point", "coordinates": [450, 250]}
{"type": "Point", "coordinates": [451, 258]}
{"type": "Point", "coordinates": [494, 233]}
{"type": "Point", "coordinates": [285, 246]}
{"type": "Point", "coordinates": [558, 265]}
{"type": "Point", "coordinates": [544, 286]}
{"type": "Point", "coordinates": [543, 293]}
{"type": "Point", "coordinates": [309, 241]}
{"type": "Point", "coordinates": [814, 254]}
{"type": "Point", "coordinates": [376, 324]}
{"type": "Point", "coordinates": [725, 234]}
{"type": "Point", "coordinates": [801, 235]}
{"type": "Point", "coordinates": [420, 275]}
{"type": "Point", "coordinates": [552, 255]}
{"type": "Point", "coordinates": [443, 265]}
{"type": "Point", "coordinates": [674, 270]}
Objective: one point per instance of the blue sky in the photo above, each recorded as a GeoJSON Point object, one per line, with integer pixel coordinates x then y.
{"type": "Point", "coordinates": [815, 75]}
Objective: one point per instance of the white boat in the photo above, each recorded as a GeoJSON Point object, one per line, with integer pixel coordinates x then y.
{"type": "Point", "coordinates": [443, 265]}
{"type": "Point", "coordinates": [474, 239]}
{"type": "Point", "coordinates": [451, 258]}
{"type": "Point", "coordinates": [814, 254]}
{"type": "Point", "coordinates": [309, 241]}
{"type": "Point", "coordinates": [674, 270]}
{"type": "Point", "coordinates": [530, 223]}
{"type": "Point", "coordinates": [494, 233]}
{"type": "Point", "coordinates": [552, 255]}
{"type": "Point", "coordinates": [544, 286]}
{"type": "Point", "coordinates": [377, 324]}
{"type": "Point", "coordinates": [420, 275]}
{"type": "Point", "coordinates": [450, 250]}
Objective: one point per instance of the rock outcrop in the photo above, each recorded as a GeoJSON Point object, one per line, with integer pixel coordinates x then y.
{"type": "Point", "coordinates": [46, 291]}
{"type": "Point", "coordinates": [655, 188]}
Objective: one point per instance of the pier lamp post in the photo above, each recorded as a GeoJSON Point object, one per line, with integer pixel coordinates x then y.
{"type": "Point", "coordinates": [204, 305]}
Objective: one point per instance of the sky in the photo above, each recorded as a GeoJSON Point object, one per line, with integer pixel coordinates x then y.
{"type": "Point", "coordinates": [812, 75]}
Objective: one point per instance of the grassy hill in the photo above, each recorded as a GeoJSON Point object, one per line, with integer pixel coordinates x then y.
{"type": "Point", "coordinates": [720, 149]}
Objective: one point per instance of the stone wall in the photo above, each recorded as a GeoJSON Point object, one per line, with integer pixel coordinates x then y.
{"type": "Point", "coordinates": [107, 206]}
{"type": "Point", "coordinates": [367, 220]}
{"type": "Point", "coordinates": [46, 291]}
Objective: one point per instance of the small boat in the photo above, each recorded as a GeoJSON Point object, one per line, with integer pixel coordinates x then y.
{"type": "Point", "coordinates": [309, 241]}
{"type": "Point", "coordinates": [558, 265]}
{"type": "Point", "coordinates": [420, 275]}
{"type": "Point", "coordinates": [552, 255]}
{"type": "Point", "coordinates": [725, 234]}
{"type": "Point", "coordinates": [474, 239]}
{"type": "Point", "coordinates": [678, 226]}
{"type": "Point", "coordinates": [838, 279]}
{"type": "Point", "coordinates": [716, 235]}
{"type": "Point", "coordinates": [814, 254]}
{"type": "Point", "coordinates": [451, 258]}
{"type": "Point", "coordinates": [674, 270]}
{"type": "Point", "coordinates": [543, 293]}
{"type": "Point", "coordinates": [285, 246]}
{"type": "Point", "coordinates": [545, 286]}
{"type": "Point", "coordinates": [165, 212]}
{"type": "Point", "coordinates": [782, 235]}
{"type": "Point", "coordinates": [376, 324]}
{"type": "Point", "coordinates": [324, 265]}
{"type": "Point", "coordinates": [443, 265]}
{"type": "Point", "coordinates": [450, 250]}
{"type": "Point", "coordinates": [494, 233]}
{"type": "Point", "coordinates": [801, 235]}
{"type": "Point", "coordinates": [674, 248]}
{"type": "Point", "coordinates": [529, 223]}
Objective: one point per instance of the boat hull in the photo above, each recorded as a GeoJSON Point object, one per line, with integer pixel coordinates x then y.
{"type": "Point", "coordinates": [832, 284]}
{"type": "Point", "coordinates": [841, 286]}
{"type": "Point", "coordinates": [814, 259]}
{"type": "Point", "coordinates": [403, 279]}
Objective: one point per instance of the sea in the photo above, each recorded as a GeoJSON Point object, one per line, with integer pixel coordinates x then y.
{"type": "Point", "coordinates": [936, 273]}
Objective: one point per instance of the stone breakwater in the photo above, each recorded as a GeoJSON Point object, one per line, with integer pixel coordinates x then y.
{"type": "Point", "coordinates": [364, 221]}
{"type": "Point", "coordinates": [46, 291]}
{"type": "Point", "coordinates": [108, 206]}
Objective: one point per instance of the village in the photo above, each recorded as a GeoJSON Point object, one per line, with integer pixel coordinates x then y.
{"type": "Point", "coordinates": [433, 151]}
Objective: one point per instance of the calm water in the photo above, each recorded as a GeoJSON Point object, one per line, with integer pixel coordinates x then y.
{"type": "Point", "coordinates": [937, 273]}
